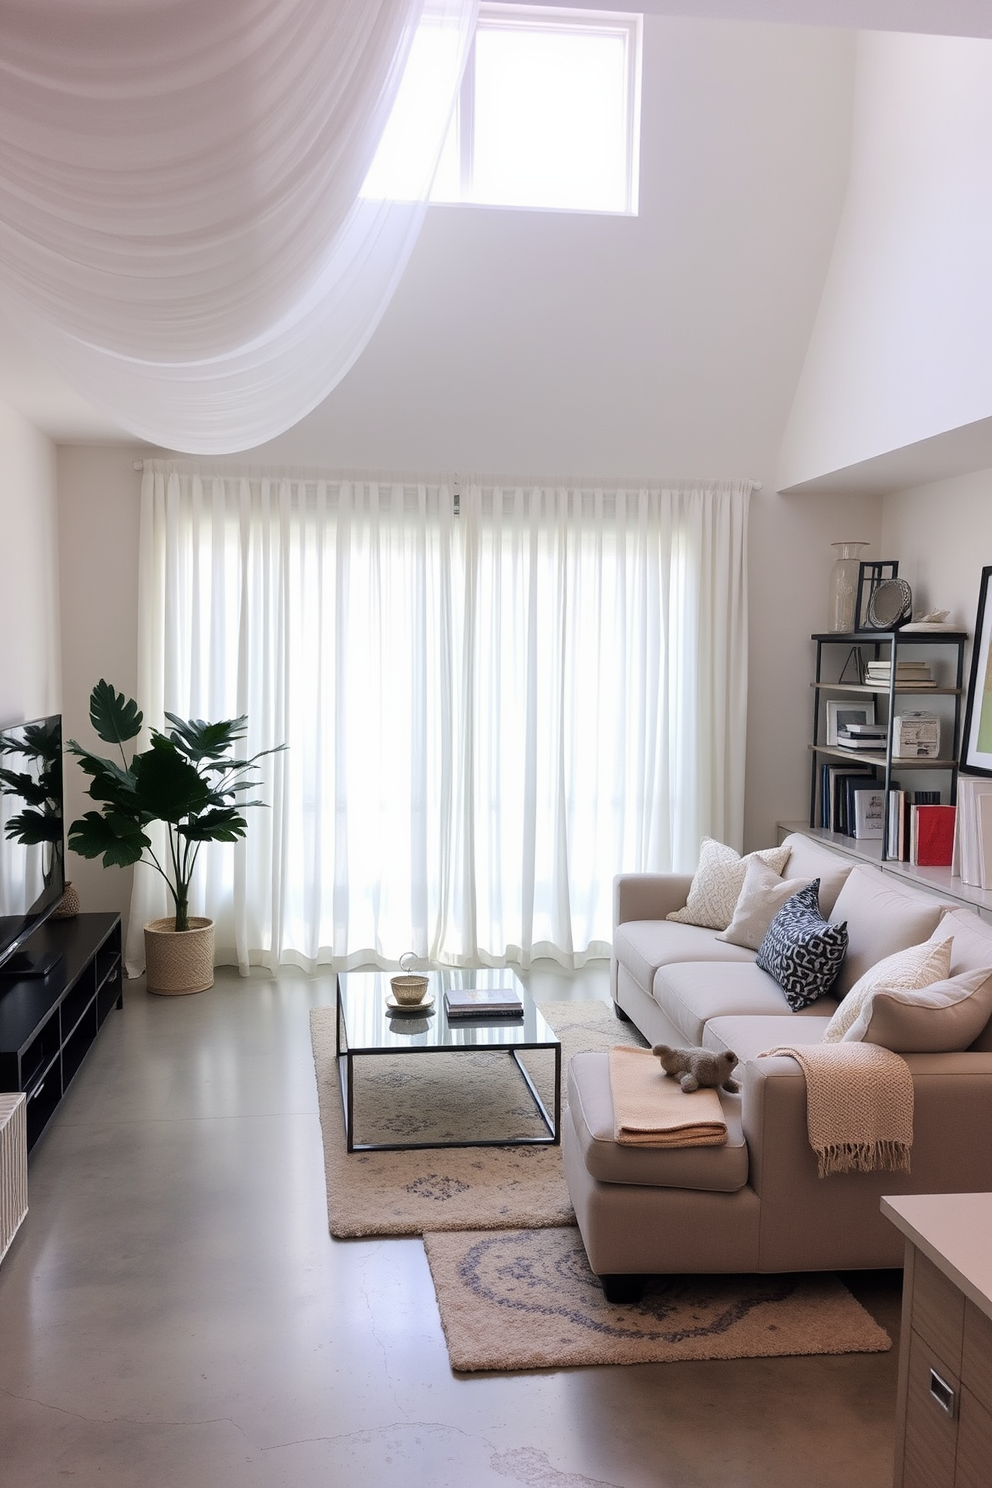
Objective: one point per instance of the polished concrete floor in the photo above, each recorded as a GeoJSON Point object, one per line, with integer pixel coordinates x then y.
{"type": "Point", "coordinates": [174, 1314]}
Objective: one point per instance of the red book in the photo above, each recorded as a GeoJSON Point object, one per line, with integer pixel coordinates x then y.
{"type": "Point", "coordinates": [934, 833]}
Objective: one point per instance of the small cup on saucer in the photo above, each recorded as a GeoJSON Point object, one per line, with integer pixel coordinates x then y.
{"type": "Point", "coordinates": [410, 987]}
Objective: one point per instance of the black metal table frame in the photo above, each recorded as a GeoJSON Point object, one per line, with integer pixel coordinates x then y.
{"type": "Point", "coordinates": [346, 1074]}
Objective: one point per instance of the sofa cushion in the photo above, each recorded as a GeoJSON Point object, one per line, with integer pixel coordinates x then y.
{"type": "Point", "coordinates": [718, 1169]}
{"type": "Point", "coordinates": [761, 898]}
{"type": "Point", "coordinates": [644, 945]}
{"type": "Point", "coordinates": [972, 947]}
{"type": "Point", "coordinates": [943, 1018]}
{"type": "Point", "coordinates": [693, 993]}
{"type": "Point", "coordinates": [917, 966]}
{"type": "Point", "coordinates": [717, 883]}
{"type": "Point", "coordinates": [881, 918]}
{"type": "Point", "coordinates": [810, 859]}
{"type": "Point", "coordinates": [749, 1037]}
{"type": "Point", "coordinates": [802, 950]}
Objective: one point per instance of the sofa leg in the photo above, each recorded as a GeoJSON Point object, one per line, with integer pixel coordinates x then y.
{"type": "Point", "coordinates": [624, 1017]}
{"type": "Point", "coordinates": [623, 1289]}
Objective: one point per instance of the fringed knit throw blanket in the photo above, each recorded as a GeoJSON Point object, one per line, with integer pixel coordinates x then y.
{"type": "Point", "coordinates": [859, 1106]}
{"type": "Point", "coordinates": [650, 1110]}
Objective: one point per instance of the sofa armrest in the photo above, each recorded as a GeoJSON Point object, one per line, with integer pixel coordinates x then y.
{"type": "Point", "coordinates": [835, 1223]}
{"type": "Point", "coordinates": [648, 896]}
{"type": "Point", "coordinates": [952, 1105]}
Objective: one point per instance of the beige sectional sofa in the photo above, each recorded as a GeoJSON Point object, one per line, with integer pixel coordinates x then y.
{"type": "Point", "coordinates": [758, 1204]}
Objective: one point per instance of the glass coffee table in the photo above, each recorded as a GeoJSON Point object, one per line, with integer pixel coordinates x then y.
{"type": "Point", "coordinates": [367, 1027]}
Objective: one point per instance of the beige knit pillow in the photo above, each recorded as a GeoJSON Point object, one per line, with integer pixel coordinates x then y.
{"type": "Point", "coordinates": [716, 886]}
{"type": "Point", "coordinates": [916, 967]}
{"type": "Point", "coordinates": [761, 898]}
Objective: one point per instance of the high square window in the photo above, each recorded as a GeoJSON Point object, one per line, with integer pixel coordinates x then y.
{"type": "Point", "coordinates": [548, 115]}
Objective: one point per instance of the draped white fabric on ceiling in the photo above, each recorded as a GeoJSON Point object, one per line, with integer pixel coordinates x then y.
{"type": "Point", "coordinates": [182, 224]}
{"type": "Point", "coordinates": [488, 714]}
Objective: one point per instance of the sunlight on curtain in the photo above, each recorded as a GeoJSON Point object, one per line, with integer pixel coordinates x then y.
{"type": "Point", "coordinates": [488, 714]}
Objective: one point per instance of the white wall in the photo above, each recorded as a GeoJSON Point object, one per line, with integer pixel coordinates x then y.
{"type": "Point", "coordinates": [98, 539]}
{"type": "Point", "coordinates": [942, 536]}
{"type": "Point", "coordinates": [900, 348]}
{"type": "Point", "coordinates": [667, 345]}
{"type": "Point", "coordinates": [30, 680]}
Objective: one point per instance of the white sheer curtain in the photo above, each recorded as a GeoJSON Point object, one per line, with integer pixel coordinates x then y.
{"type": "Point", "coordinates": [182, 222]}
{"type": "Point", "coordinates": [489, 713]}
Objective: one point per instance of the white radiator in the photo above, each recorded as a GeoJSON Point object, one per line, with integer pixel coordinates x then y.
{"type": "Point", "coordinates": [13, 1167]}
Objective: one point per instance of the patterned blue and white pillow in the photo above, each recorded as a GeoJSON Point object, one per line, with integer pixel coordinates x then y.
{"type": "Point", "coordinates": [802, 950]}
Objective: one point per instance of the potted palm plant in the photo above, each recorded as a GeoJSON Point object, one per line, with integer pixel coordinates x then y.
{"type": "Point", "coordinates": [191, 781]}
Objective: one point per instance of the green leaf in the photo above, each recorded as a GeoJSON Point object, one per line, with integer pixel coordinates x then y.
{"type": "Point", "coordinates": [167, 786]}
{"type": "Point", "coordinates": [215, 826]}
{"type": "Point", "coordinates": [33, 791]}
{"type": "Point", "coordinates": [31, 828]}
{"type": "Point", "coordinates": [115, 717]}
{"type": "Point", "coordinates": [206, 741]}
{"type": "Point", "coordinates": [118, 839]}
{"type": "Point", "coordinates": [110, 781]}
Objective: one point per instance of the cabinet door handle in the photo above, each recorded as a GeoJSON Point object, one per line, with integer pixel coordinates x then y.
{"type": "Point", "coordinates": [942, 1393]}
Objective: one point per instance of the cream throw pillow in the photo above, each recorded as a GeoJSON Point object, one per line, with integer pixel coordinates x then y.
{"type": "Point", "coordinates": [716, 886]}
{"type": "Point", "coordinates": [940, 1019]}
{"type": "Point", "coordinates": [761, 898]}
{"type": "Point", "coordinates": [918, 966]}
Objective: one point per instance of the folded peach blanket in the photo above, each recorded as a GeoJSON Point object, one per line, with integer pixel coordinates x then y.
{"type": "Point", "coordinates": [859, 1106]}
{"type": "Point", "coordinates": [651, 1110]}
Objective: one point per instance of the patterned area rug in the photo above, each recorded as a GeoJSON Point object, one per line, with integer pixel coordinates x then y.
{"type": "Point", "coordinates": [526, 1299]}
{"type": "Point", "coordinates": [458, 1188]}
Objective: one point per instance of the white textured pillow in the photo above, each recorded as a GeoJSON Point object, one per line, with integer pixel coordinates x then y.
{"type": "Point", "coordinates": [916, 967]}
{"type": "Point", "coordinates": [940, 1019]}
{"type": "Point", "coordinates": [761, 898]}
{"type": "Point", "coordinates": [718, 881]}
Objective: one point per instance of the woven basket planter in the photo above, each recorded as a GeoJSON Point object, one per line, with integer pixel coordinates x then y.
{"type": "Point", "coordinates": [179, 961]}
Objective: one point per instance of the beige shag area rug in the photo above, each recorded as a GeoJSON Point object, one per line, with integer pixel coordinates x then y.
{"type": "Point", "coordinates": [411, 1096]}
{"type": "Point", "coordinates": [526, 1299]}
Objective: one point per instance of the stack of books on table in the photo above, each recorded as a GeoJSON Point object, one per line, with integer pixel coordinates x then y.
{"type": "Point", "coordinates": [972, 859]}
{"type": "Point", "coordinates": [908, 674]}
{"type": "Point", "coordinates": [483, 1002]}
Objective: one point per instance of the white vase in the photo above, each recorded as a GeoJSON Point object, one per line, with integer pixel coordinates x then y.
{"type": "Point", "coordinates": [843, 590]}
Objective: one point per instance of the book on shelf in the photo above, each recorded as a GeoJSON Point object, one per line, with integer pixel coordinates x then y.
{"type": "Point", "coordinates": [848, 740]}
{"type": "Point", "coordinates": [932, 836]}
{"type": "Point", "coordinates": [833, 797]}
{"type": "Point", "coordinates": [482, 1002]}
{"type": "Point", "coordinates": [972, 856]}
{"type": "Point", "coordinates": [883, 668]}
{"type": "Point", "coordinates": [910, 673]}
{"type": "Point", "coordinates": [869, 813]}
{"type": "Point", "coordinates": [895, 846]}
{"type": "Point", "coordinates": [867, 730]}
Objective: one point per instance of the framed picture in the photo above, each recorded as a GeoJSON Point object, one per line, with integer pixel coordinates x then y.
{"type": "Point", "coordinates": [841, 714]}
{"type": "Point", "coordinates": [976, 744]}
{"type": "Point", "coordinates": [870, 575]}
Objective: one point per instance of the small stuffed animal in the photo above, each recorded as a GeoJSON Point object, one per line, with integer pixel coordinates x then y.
{"type": "Point", "coordinates": [695, 1067]}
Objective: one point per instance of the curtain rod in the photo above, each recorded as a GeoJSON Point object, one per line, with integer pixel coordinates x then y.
{"type": "Point", "coordinates": [140, 465]}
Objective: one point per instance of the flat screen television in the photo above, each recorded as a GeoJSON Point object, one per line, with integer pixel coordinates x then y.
{"type": "Point", "coordinates": [32, 839]}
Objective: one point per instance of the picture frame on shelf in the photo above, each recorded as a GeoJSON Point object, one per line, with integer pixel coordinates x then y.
{"type": "Point", "coordinates": [840, 714]}
{"type": "Point", "coordinates": [870, 575]}
{"type": "Point", "coordinates": [976, 742]}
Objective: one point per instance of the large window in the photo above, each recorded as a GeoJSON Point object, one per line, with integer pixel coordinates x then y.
{"type": "Point", "coordinates": [548, 115]}
{"type": "Point", "coordinates": [491, 708]}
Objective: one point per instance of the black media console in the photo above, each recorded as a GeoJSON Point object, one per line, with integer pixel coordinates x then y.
{"type": "Point", "coordinates": [48, 1023]}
